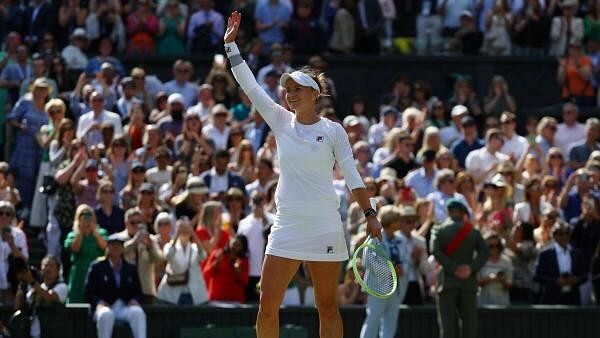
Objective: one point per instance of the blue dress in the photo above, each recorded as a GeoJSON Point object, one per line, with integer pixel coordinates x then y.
{"type": "Point", "coordinates": [27, 155]}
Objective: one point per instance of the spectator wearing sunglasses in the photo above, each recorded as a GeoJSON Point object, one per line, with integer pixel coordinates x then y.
{"type": "Point", "coordinates": [495, 277]}
{"type": "Point", "coordinates": [85, 242]}
{"type": "Point", "coordinates": [109, 215]}
{"type": "Point", "coordinates": [141, 250]}
{"type": "Point", "coordinates": [85, 183]}
{"type": "Point", "coordinates": [546, 132]}
{"type": "Point", "coordinates": [560, 270]}
{"type": "Point", "coordinates": [13, 243]}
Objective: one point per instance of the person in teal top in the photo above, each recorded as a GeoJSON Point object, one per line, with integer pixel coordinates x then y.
{"type": "Point", "coordinates": [591, 23]}
{"type": "Point", "coordinates": [86, 242]}
{"type": "Point", "coordinates": [171, 30]}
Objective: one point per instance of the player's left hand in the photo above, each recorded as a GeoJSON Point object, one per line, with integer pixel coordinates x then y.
{"type": "Point", "coordinates": [373, 227]}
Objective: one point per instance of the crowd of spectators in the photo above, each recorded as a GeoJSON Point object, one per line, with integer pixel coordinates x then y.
{"type": "Point", "coordinates": [176, 180]}
{"type": "Point", "coordinates": [172, 27]}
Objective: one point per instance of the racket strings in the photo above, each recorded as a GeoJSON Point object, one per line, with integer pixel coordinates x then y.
{"type": "Point", "coordinates": [376, 272]}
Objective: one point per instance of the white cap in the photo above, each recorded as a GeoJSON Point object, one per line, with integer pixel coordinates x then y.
{"type": "Point", "coordinates": [350, 121]}
{"type": "Point", "coordinates": [78, 32]}
{"type": "Point", "coordinates": [459, 110]}
{"type": "Point", "coordinates": [176, 97]}
{"type": "Point", "coordinates": [301, 79]}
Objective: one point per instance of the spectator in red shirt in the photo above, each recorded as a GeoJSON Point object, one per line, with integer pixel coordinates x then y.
{"type": "Point", "coordinates": [226, 271]}
{"type": "Point", "coordinates": [209, 230]}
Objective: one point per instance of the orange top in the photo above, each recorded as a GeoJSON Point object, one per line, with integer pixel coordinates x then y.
{"type": "Point", "coordinates": [574, 84]}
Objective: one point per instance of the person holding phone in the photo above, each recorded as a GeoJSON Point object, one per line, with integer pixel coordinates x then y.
{"type": "Point", "coordinates": [85, 242]}
{"type": "Point", "coordinates": [495, 277]}
{"type": "Point", "coordinates": [13, 243]}
{"type": "Point", "coordinates": [308, 225]}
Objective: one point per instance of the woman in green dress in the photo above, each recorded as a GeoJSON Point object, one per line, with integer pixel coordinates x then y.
{"type": "Point", "coordinates": [86, 242]}
{"type": "Point", "coordinates": [171, 30]}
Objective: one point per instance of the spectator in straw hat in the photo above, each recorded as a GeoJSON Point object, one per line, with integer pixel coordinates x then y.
{"type": "Point", "coordinates": [190, 201]}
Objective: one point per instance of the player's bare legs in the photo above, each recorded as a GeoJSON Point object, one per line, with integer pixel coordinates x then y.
{"type": "Point", "coordinates": [325, 277]}
{"type": "Point", "coordinates": [276, 275]}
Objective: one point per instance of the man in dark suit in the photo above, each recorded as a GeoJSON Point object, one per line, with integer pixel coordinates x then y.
{"type": "Point", "coordinates": [560, 270]}
{"type": "Point", "coordinates": [461, 251]}
{"type": "Point", "coordinates": [113, 290]}
{"type": "Point", "coordinates": [39, 18]}
{"type": "Point", "coordinates": [219, 179]}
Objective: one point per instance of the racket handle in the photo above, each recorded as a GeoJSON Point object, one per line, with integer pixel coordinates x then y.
{"type": "Point", "coordinates": [373, 202]}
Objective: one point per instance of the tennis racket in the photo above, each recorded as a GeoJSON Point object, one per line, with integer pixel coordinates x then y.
{"type": "Point", "coordinates": [373, 269]}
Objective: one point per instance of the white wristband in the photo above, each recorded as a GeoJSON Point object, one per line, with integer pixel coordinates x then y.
{"type": "Point", "coordinates": [231, 49]}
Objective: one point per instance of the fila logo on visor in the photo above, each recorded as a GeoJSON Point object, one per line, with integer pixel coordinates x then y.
{"type": "Point", "coordinates": [319, 138]}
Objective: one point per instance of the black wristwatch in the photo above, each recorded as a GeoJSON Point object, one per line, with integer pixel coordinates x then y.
{"type": "Point", "coordinates": [370, 212]}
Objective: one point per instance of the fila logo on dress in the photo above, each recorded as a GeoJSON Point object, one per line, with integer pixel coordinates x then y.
{"type": "Point", "coordinates": [320, 138]}
{"type": "Point", "coordinates": [329, 249]}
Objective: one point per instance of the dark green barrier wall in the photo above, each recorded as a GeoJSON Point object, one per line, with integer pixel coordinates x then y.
{"type": "Point", "coordinates": [418, 322]}
{"type": "Point", "coordinates": [532, 80]}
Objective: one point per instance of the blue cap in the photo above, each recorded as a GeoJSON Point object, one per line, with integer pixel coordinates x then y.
{"type": "Point", "coordinates": [136, 164]}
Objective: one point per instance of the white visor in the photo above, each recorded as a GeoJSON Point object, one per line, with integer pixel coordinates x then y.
{"type": "Point", "coordinates": [301, 79]}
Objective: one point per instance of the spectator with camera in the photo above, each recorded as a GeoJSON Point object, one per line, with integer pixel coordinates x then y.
{"type": "Point", "coordinates": [113, 289]}
{"type": "Point", "coordinates": [142, 251]}
{"type": "Point", "coordinates": [570, 199]}
{"type": "Point", "coordinates": [12, 246]}
{"type": "Point", "coordinates": [226, 271]}
{"type": "Point", "coordinates": [40, 292]}
{"type": "Point", "coordinates": [183, 283]}
{"type": "Point", "coordinates": [496, 276]}
{"type": "Point", "coordinates": [85, 242]}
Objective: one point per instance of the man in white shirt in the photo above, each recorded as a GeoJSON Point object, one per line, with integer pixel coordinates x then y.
{"type": "Point", "coordinates": [182, 72]}
{"type": "Point", "coordinates": [161, 173]}
{"type": "Point", "coordinates": [264, 175]}
{"type": "Point", "coordinates": [514, 145]}
{"type": "Point", "coordinates": [570, 131]}
{"type": "Point", "coordinates": [482, 163]}
{"type": "Point", "coordinates": [205, 103]}
{"type": "Point", "coordinates": [89, 124]}
{"type": "Point", "coordinates": [254, 227]}
{"type": "Point", "coordinates": [218, 130]}
{"type": "Point", "coordinates": [388, 119]}
{"type": "Point", "coordinates": [75, 58]}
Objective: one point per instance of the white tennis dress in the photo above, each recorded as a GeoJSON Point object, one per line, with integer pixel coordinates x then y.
{"type": "Point", "coordinates": [308, 225]}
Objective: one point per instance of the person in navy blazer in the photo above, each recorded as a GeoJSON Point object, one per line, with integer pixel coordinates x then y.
{"type": "Point", "coordinates": [39, 18]}
{"type": "Point", "coordinates": [220, 169]}
{"type": "Point", "coordinates": [113, 289]}
{"type": "Point", "coordinates": [560, 270]}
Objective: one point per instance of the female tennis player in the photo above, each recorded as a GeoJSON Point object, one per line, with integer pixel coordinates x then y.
{"type": "Point", "coordinates": [308, 225]}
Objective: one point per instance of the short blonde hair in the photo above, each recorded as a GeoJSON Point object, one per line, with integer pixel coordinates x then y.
{"type": "Point", "coordinates": [388, 215]}
{"type": "Point", "coordinates": [544, 122]}
{"type": "Point", "coordinates": [55, 104]}
{"type": "Point", "coordinates": [80, 210]}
